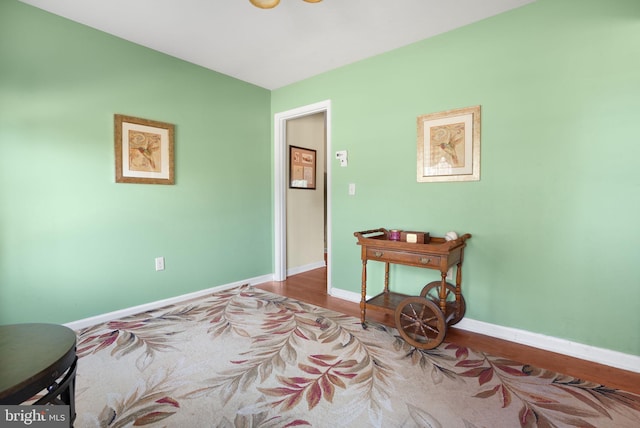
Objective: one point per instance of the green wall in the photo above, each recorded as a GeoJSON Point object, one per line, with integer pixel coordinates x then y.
{"type": "Point", "coordinates": [73, 243]}
{"type": "Point", "coordinates": [554, 217]}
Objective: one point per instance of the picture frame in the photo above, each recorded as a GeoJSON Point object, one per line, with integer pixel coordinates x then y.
{"type": "Point", "coordinates": [302, 168]}
{"type": "Point", "coordinates": [144, 150]}
{"type": "Point", "coordinates": [449, 145]}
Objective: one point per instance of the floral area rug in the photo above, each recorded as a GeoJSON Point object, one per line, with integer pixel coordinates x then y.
{"type": "Point", "coordinates": [249, 358]}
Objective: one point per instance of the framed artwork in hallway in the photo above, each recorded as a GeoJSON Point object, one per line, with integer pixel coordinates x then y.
{"type": "Point", "coordinates": [302, 168]}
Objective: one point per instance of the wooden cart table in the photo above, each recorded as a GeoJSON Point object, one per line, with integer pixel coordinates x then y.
{"type": "Point", "coordinates": [421, 320]}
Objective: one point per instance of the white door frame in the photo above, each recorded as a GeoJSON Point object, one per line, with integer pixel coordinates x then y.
{"type": "Point", "coordinates": [280, 184]}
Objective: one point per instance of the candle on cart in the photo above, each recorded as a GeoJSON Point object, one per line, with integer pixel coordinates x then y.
{"type": "Point", "coordinates": [394, 235]}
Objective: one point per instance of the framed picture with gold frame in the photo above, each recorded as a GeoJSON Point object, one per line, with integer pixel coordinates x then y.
{"type": "Point", "coordinates": [449, 145]}
{"type": "Point", "coordinates": [144, 150]}
{"type": "Point", "coordinates": [302, 168]}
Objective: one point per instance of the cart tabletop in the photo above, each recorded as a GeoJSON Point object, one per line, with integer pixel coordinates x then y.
{"type": "Point", "coordinates": [380, 238]}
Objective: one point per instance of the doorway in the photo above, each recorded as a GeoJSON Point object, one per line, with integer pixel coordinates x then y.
{"type": "Point", "coordinates": [306, 200]}
{"type": "Point", "coordinates": [281, 184]}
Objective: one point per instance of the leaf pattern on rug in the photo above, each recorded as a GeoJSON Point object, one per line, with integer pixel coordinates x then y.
{"type": "Point", "coordinates": [286, 329]}
{"type": "Point", "coordinates": [261, 420]}
{"type": "Point", "coordinates": [325, 376]}
{"type": "Point", "coordinates": [244, 357]}
{"type": "Point", "coordinates": [374, 368]}
{"type": "Point", "coordinates": [369, 368]}
{"type": "Point", "coordinates": [147, 404]}
{"type": "Point", "coordinates": [537, 409]}
{"type": "Point", "coordinates": [273, 349]}
{"type": "Point", "coordinates": [143, 331]}
{"type": "Point", "coordinates": [221, 307]}
{"type": "Point", "coordinates": [422, 418]}
{"type": "Point", "coordinates": [432, 359]}
{"type": "Point", "coordinates": [596, 396]}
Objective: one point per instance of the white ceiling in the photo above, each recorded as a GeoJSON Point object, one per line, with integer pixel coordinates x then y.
{"type": "Point", "coordinates": [275, 47]}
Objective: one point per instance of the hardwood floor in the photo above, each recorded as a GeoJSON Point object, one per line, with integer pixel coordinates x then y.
{"type": "Point", "coordinates": [310, 287]}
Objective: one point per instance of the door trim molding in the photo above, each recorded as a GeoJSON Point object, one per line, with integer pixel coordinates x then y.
{"type": "Point", "coordinates": [280, 185]}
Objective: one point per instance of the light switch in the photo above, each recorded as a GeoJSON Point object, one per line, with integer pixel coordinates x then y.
{"type": "Point", "coordinates": [352, 189]}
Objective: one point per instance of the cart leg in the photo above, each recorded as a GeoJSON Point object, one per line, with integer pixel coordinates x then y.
{"type": "Point", "coordinates": [363, 296]}
{"type": "Point", "coordinates": [458, 288]}
{"type": "Point", "coordinates": [443, 293]}
{"type": "Point", "coordinates": [386, 277]}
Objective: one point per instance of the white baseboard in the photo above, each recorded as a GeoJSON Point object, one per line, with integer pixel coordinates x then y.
{"type": "Point", "coordinates": [87, 322]}
{"type": "Point", "coordinates": [98, 319]}
{"type": "Point", "coordinates": [306, 268]}
{"type": "Point", "coordinates": [345, 295]}
{"type": "Point", "coordinates": [554, 344]}
{"type": "Point", "coordinates": [548, 343]}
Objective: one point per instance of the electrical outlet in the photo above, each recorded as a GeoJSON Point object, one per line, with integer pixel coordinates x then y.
{"type": "Point", "coordinates": [159, 263]}
{"type": "Point", "coordinates": [450, 274]}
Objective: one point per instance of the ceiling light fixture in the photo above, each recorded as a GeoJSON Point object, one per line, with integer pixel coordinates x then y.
{"type": "Point", "coordinates": [269, 4]}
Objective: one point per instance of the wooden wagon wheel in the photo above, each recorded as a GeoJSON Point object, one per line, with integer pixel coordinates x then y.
{"type": "Point", "coordinates": [420, 322]}
{"type": "Point", "coordinates": [432, 292]}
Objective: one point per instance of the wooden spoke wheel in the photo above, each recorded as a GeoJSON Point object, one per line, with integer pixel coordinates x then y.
{"type": "Point", "coordinates": [420, 322]}
{"type": "Point", "coordinates": [432, 292]}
